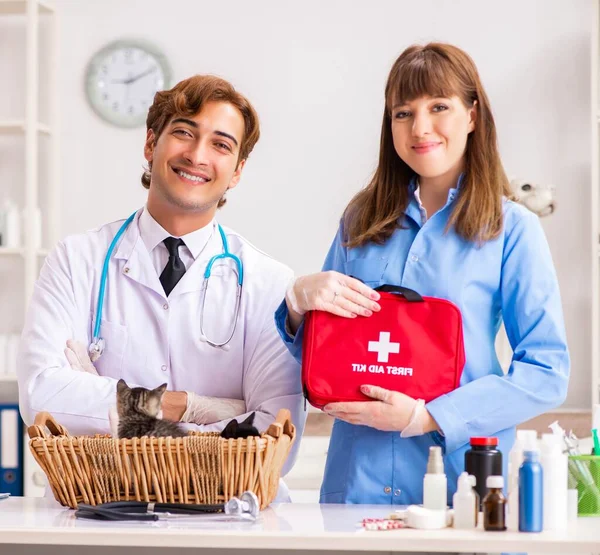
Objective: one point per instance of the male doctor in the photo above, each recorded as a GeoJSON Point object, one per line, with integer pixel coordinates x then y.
{"type": "Point", "coordinates": [155, 325]}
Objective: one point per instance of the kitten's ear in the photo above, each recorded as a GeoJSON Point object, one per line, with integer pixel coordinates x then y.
{"type": "Point", "coordinates": [230, 431]}
{"type": "Point", "coordinates": [160, 390]}
{"type": "Point", "coordinates": [122, 386]}
{"type": "Point", "coordinates": [250, 420]}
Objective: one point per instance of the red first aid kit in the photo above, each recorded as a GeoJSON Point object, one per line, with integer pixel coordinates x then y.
{"type": "Point", "coordinates": [414, 345]}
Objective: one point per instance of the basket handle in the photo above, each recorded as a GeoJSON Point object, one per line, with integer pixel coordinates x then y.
{"type": "Point", "coordinates": [283, 424]}
{"type": "Point", "coordinates": [45, 420]}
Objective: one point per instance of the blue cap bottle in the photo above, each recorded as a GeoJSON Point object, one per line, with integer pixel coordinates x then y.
{"type": "Point", "coordinates": [531, 494]}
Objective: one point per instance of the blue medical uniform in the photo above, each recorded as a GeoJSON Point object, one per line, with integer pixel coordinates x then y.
{"type": "Point", "coordinates": [510, 279]}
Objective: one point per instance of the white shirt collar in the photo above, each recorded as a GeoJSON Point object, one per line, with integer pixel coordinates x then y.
{"type": "Point", "coordinates": [154, 234]}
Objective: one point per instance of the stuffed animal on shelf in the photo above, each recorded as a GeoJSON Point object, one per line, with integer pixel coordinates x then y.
{"type": "Point", "coordinates": [533, 196]}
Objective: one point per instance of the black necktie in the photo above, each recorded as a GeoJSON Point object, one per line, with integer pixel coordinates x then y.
{"type": "Point", "coordinates": [175, 268]}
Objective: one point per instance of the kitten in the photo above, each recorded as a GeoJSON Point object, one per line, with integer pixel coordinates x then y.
{"type": "Point", "coordinates": [138, 410]}
{"type": "Point", "coordinates": [244, 429]}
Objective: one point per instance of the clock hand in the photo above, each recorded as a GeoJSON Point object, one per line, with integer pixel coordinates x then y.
{"type": "Point", "coordinates": [139, 76]}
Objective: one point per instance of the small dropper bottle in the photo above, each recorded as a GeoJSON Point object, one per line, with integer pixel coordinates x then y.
{"type": "Point", "coordinates": [465, 515]}
{"type": "Point", "coordinates": [494, 505]}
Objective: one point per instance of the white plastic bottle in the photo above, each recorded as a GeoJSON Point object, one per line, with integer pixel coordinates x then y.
{"type": "Point", "coordinates": [12, 226]}
{"type": "Point", "coordinates": [473, 481]}
{"type": "Point", "coordinates": [515, 459]}
{"type": "Point", "coordinates": [555, 465]}
{"type": "Point", "coordinates": [2, 226]}
{"type": "Point", "coordinates": [435, 483]}
{"type": "Point", "coordinates": [3, 353]}
{"type": "Point", "coordinates": [33, 225]}
{"type": "Point", "coordinates": [12, 351]}
{"type": "Point", "coordinates": [465, 515]}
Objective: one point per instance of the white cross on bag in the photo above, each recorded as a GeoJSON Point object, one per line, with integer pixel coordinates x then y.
{"type": "Point", "coordinates": [383, 347]}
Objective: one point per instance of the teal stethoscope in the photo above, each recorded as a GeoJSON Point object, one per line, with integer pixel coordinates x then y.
{"type": "Point", "coordinates": [97, 345]}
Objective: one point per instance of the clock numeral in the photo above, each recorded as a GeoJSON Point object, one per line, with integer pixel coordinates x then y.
{"type": "Point", "coordinates": [105, 96]}
{"type": "Point", "coordinates": [130, 109]}
{"type": "Point", "coordinates": [128, 55]}
{"type": "Point", "coordinates": [115, 106]}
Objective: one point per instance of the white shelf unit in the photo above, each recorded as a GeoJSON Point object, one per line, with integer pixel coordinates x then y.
{"type": "Point", "coordinates": [29, 128]}
{"type": "Point", "coordinates": [595, 203]}
{"type": "Point", "coordinates": [13, 127]}
{"type": "Point", "coordinates": [16, 7]}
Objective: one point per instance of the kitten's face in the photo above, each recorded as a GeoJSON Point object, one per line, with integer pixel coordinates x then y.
{"type": "Point", "coordinates": [139, 399]}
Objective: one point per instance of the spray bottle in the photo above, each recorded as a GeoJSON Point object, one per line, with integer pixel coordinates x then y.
{"type": "Point", "coordinates": [435, 484]}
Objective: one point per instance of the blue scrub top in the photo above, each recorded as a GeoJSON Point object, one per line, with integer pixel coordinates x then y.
{"type": "Point", "coordinates": [510, 278]}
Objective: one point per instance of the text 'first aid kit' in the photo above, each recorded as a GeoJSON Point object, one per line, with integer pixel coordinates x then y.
{"type": "Point", "coordinates": [414, 345]}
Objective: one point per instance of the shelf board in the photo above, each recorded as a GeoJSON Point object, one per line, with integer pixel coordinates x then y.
{"type": "Point", "coordinates": [8, 377]}
{"type": "Point", "coordinates": [18, 126]}
{"type": "Point", "coordinates": [20, 251]}
{"type": "Point", "coordinates": [16, 7]}
{"type": "Point", "coordinates": [10, 251]}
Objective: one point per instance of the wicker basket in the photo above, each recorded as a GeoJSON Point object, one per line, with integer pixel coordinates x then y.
{"type": "Point", "coordinates": [200, 468]}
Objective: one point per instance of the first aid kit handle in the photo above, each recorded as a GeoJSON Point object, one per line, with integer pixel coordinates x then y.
{"type": "Point", "coordinates": [409, 294]}
{"type": "Point", "coordinates": [45, 420]}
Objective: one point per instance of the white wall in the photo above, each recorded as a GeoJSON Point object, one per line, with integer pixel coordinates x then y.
{"type": "Point", "coordinates": [315, 70]}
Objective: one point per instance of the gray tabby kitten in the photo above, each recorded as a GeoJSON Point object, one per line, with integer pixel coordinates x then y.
{"type": "Point", "coordinates": [138, 410]}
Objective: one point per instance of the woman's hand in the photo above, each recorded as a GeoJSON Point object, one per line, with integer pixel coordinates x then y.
{"type": "Point", "coordinates": [331, 292]}
{"type": "Point", "coordinates": [391, 411]}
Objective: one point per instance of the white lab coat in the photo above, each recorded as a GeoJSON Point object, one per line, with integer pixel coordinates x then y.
{"type": "Point", "coordinates": [151, 340]}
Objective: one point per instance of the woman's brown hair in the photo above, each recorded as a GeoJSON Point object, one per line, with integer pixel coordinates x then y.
{"type": "Point", "coordinates": [187, 99]}
{"type": "Point", "coordinates": [437, 70]}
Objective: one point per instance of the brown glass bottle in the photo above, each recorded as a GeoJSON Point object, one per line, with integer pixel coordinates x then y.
{"type": "Point", "coordinates": [494, 505]}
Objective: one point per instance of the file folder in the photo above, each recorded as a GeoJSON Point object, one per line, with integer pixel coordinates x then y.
{"type": "Point", "coordinates": [11, 450]}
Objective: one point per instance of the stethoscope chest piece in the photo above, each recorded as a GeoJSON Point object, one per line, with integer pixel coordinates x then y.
{"type": "Point", "coordinates": [96, 349]}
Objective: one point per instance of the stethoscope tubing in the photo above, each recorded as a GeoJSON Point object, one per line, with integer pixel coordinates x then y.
{"type": "Point", "coordinates": [96, 347]}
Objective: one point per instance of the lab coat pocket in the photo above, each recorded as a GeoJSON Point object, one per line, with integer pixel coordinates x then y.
{"type": "Point", "coordinates": [115, 340]}
{"type": "Point", "coordinates": [368, 270]}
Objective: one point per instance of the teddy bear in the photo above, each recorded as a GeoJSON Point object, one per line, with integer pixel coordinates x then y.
{"type": "Point", "coordinates": [533, 196]}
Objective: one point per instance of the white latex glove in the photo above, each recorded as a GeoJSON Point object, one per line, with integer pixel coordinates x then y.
{"type": "Point", "coordinates": [78, 357]}
{"type": "Point", "coordinates": [113, 419]}
{"type": "Point", "coordinates": [332, 292]}
{"type": "Point", "coordinates": [390, 412]}
{"type": "Point", "coordinates": [207, 410]}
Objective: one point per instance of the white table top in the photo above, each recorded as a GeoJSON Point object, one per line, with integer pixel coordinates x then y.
{"type": "Point", "coordinates": [35, 521]}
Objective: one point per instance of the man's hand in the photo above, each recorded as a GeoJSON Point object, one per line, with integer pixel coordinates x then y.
{"type": "Point", "coordinates": [390, 412]}
{"type": "Point", "coordinates": [174, 404]}
{"type": "Point", "coordinates": [208, 410]}
{"type": "Point", "coordinates": [78, 357]}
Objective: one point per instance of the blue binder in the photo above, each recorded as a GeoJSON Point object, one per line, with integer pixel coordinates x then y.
{"type": "Point", "coordinates": [11, 450]}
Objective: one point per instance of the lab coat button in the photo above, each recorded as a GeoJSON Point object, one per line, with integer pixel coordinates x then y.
{"type": "Point", "coordinates": [414, 258]}
{"type": "Point", "coordinates": [397, 492]}
{"type": "Point", "coordinates": [126, 271]}
{"type": "Point", "coordinates": [387, 489]}
{"type": "Point", "coordinates": [163, 368]}
{"type": "Point", "coordinates": [166, 306]}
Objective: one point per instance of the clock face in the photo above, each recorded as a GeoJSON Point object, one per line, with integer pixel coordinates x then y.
{"type": "Point", "coordinates": [121, 81]}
